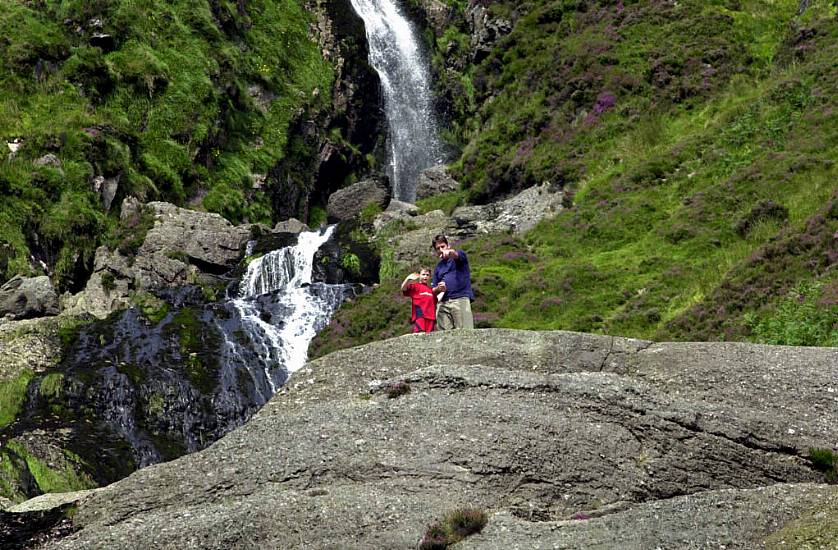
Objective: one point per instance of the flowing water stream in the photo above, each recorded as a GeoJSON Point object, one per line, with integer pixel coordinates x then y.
{"type": "Point", "coordinates": [174, 385]}
{"type": "Point", "coordinates": [396, 54]}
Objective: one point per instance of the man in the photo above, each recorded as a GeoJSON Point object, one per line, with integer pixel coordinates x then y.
{"type": "Point", "coordinates": [452, 286]}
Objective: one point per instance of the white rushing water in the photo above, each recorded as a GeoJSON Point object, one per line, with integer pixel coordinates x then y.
{"type": "Point", "coordinates": [403, 69]}
{"type": "Point", "coordinates": [280, 311]}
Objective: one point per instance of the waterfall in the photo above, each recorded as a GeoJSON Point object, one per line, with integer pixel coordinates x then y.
{"type": "Point", "coordinates": [279, 311]}
{"type": "Point", "coordinates": [403, 69]}
{"type": "Point", "coordinates": [202, 369]}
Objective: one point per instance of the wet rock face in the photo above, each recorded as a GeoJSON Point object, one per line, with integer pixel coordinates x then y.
{"type": "Point", "coordinates": [317, 164]}
{"type": "Point", "coordinates": [643, 443]}
{"type": "Point", "coordinates": [344, 260]}
{"type": "Point", "coordinates": [27, 297]}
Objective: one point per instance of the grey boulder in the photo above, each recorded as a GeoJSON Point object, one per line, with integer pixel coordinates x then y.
{"type": "Point", "coordinates": [28, 297]}
{"type": "Point", "coordinates": [347, 203]}
{"type": "Point", "coordinates": [185, 241]}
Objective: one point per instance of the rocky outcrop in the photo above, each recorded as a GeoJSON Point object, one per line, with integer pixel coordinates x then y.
{"type": "Point", "coordinates": [340, 138]}
{"type": "Point", "coordinates": [485, 30]}
{"type": "Point", "coordinates": [108, 289]}
{"type": "Point", "coordinates": [204, 237]}
{"type": "Point", "coordinates": [180, 247]}
{"type": "Point", "coordinates": [181, 238]}
{"type": "Point", "coordinates": [516, 215]}
{"type": "Point", "coordinates": [566, 440]}
{"type": "Point", "coordinates": [27, 297]}
{"type": "Point", "coordinates": [432, 13]}
{"type": "Point", "coordinates": [347, 203]}
{"type": "Point", "coordinates": [435, 181]}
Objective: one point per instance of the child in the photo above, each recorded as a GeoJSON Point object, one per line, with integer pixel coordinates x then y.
{"type": "Point", "coordinates": [423, 310]}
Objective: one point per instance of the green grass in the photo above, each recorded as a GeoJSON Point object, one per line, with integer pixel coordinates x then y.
{"type": "Point", "coordinates": [12, 396]}
{"type": "Point", "coordinates": [169, 109]}
{"type": "Point", "coordinates": [51, 479]}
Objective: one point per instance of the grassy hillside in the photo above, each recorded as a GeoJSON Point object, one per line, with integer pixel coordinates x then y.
{"type": "Point", "coordinates": [699, 140]}
{"type": "Point", "coordinates": [181, 101]}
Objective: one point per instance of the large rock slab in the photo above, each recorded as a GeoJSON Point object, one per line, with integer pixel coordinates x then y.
{"type": "Point", "coordinates": [28, 297]}
{"type": "Point", "coordinates": [728, 518]}
{"type": "Point", "coordinates": [703, 444]}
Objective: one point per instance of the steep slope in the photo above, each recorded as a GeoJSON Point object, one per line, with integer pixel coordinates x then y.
{"type": "Point", "coordinates": [223, 106]}
{"type": "Point", "coordinates": [696, 142]}
{"type": "Point", "coordinates": [644, 444]}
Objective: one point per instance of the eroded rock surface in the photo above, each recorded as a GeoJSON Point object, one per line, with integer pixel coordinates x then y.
{"type": "Point", "coordinates": [697, 445]}
{"type": "Point", "coordinates": [435, 181]}
{"type": "Point", "coordinates": [517, 214]}
{"type": "Point", "coordinates": [181, 238]}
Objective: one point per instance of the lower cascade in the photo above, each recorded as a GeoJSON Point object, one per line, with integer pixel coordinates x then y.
{"type": "Point", "coordinates": [142, 387]}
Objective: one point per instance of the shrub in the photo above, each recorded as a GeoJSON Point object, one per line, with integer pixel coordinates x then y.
{"type": "Point", "coordinates": [798, 320]}
{"type": "Point", "coordinates": [434, 538]}
{"type": "Point", "coordinates": [108, 281]}
{"type": "Point", "coordinates": [351, 263]}
{"type": "Point", "coordinates": [457, 525]}
{"type": "Point", "coordinates": [317, 217]}
{"type": "Point", "coordinates": [764, 210]}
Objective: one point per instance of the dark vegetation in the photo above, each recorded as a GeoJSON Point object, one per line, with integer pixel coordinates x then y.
{"type": "Point", "coordinates": [697, 143]}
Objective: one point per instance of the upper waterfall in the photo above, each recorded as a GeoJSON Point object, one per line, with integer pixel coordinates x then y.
{"type": "Point", "coordinates": [403, 68]}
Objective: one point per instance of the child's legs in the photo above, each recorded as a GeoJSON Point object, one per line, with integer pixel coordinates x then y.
{"type": "Point", "coordinates": [423, 325]}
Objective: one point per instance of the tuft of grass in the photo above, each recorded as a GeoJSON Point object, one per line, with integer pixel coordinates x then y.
{"type": "Point", "coordinates": [369, 212]}
{"type": "Point", "coordinates": [455, 526]}
{"type": "Point", "coordinates": [446, 202]}
{"type": "Point", "coordinates": [51, 479]}
{"type": "Point", "coordinates": [826, 461]}
{"type": "Point", "coordinates": [351, 263]}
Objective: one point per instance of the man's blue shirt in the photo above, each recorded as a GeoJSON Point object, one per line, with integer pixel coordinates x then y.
{"type": "Point", "coordinates": [457, 277]}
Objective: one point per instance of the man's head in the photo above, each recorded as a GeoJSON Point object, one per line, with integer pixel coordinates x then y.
{"type": "Point", "coordinates": [439, 243]}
